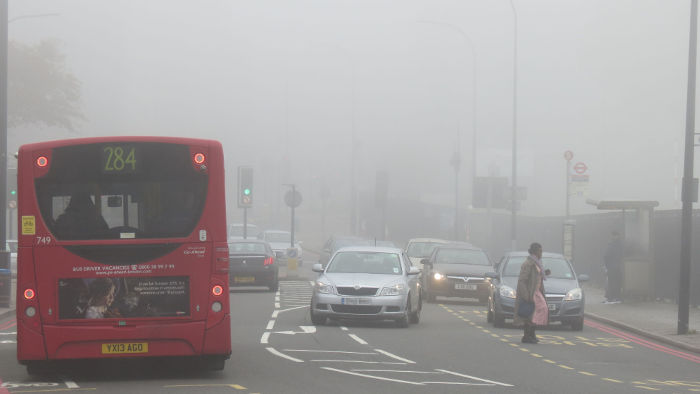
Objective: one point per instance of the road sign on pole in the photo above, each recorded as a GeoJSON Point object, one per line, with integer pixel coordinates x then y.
{"type": "Point", "coordinates": [580, 168]}
{"type": "Point", "coordinates": [568, 155]}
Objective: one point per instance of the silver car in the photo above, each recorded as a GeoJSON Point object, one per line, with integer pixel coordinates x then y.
{"type": "Point", "coordinates": [366, 282]}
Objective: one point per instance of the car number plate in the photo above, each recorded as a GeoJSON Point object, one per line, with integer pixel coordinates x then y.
{"type": "Point", "coordinates": [355, 301]}
{"type": "Point", "coordinates": [122, 348]}
{"type": "Point", "coordinates": [464, 286]}
{"type": "Point", "coordinates": [552, 307]}
{"type": "Point", "coordinates": [243, 279]}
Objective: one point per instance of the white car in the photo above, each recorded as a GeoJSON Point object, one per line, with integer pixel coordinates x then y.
{"type": "Point", "coordinates": [421, 248]}
{"type": "Point", "coordinates": [280, 241]}
{"type": "Point", "coordinates": [235, 231]}
{"type": "Point", "coordinates": [367, 282]}
{"type": "Point", "coordinates": [12, 247]}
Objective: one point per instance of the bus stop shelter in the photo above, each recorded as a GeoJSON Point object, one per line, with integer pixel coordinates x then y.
{"type": "Point", "coordinates": [638, 265]}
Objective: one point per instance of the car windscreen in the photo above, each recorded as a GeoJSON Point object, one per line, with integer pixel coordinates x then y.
{"type": "Point", "coordinates": [246, 247]}
{"type": "Point", "coordinates": [559, 267]}
{"type": "Point", "coordinates": [365, 263]}
{"type": "Point", "coordinates": [121, 190]}
{"type": "Point", "coordinates": [343, 243]}
{"type": "Point", "coordinates": [461, 256]}
{"type": "Point", "coordinates": [421, 249]}
{"type": "Point", "coordinates": [278, 237]}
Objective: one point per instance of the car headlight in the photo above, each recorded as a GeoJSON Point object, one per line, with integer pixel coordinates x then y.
{"type": "Point", "coordinates": [506, 291]}
{"type": "Point", "coordinates": [394, 290]}
{"type": "Point", "coordinates": [573, 295]}
{"type": "Point", "coordinates": [438, 276]}
{"type": "Point", "coordinates": [324, 288]}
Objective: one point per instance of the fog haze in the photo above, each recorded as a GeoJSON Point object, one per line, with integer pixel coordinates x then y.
{"type": "Point", "coordinates": [284, 84]}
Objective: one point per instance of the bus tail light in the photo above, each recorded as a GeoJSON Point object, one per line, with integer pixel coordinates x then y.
{"type": "Point", "coordinates": [199, 158]}
{"type": "Point", "coordinates": [42, 161]}
{"type": "Point", "coordinates": [217, 290]}
{"type": "Point", "coordinates": [29, 294]}
{"type": "Point", "coordinates": [268, 261]}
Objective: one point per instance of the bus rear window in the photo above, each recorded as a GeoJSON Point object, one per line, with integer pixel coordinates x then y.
{"type": "Point", "coordinates": [121, 191]}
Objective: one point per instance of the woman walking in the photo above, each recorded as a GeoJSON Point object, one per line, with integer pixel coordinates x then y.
{"type": "Point", "coordinates": [531, 291]}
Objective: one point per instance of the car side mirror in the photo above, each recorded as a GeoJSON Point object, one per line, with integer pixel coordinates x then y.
{"type": "Point", "coordinates": [491, 275]}
{"type": "Point", "coordinates": [426, 262]}
{"type": "Point", "coordinates": [318, 267]}
{"type": "Point", "coordinates": [414, 271]}
{"type": "Point", "coordinates": [583, 278]}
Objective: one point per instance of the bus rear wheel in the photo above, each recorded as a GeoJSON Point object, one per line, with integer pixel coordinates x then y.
{"type": "Point", "coordinates": [214, 363]}
{"type": "Point", "coordinates": [37, 368]}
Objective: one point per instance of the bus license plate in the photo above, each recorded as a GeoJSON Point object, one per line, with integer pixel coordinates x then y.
{"type": "Point", "coordinates": [552, 307]}
{"type": "Point", "coordinates": [464, 286]}
{"type": "Point", "coordinates": [244, 279]}
{"type": "Point", "coordinates": [122, 348]}
{"type": "Point", "coordinates": [355, 301]}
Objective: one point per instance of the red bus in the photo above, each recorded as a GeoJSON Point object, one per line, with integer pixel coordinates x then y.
{"type": "Point", "coordinates": [122, 250]}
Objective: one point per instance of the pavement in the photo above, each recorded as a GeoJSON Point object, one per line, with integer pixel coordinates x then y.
{"type": "Point", "coordinates": [657, 320]}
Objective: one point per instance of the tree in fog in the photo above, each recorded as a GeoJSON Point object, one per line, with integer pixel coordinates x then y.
{"type": "Point", "coordinates": [40, 89]}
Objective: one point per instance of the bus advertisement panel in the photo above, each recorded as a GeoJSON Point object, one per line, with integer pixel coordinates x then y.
{"type": "Point", "coordinates": [122, 241]}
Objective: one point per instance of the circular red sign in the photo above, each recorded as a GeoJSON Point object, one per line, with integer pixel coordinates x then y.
{"type": "Point", "coordinates": [568, 155]}
{"type": "Point", "coordinates": [580, 168]}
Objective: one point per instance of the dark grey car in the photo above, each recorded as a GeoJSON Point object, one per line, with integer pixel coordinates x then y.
{"type": "Point", "coordinates": [564, 295]}
{"type": "Point", "coordinates": [456, 270]}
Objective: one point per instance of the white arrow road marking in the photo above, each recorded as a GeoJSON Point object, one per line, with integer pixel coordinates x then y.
{"type": "Point", "coordinates": [371, 376]}
{"type": "Point", "coordinates": [358, 361]}
{"type": "Point", "coordinates": [475, 378]}
{"type": "Point", "coordinates": [395, 357]}
{"type": "Point", "coordinates": [304, 330]}
{"type": "Point", "coordinates": [327, 351]}
{"type": "Point", "coordinates": [358, 339]}
{"type": "Point", "coordinates": [280, 354]}
{"type": "Point", "coordinates": [395, 370]}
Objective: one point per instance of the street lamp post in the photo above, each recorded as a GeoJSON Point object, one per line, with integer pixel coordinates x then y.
{"type": "Point", "coordinates": [472, 48]}
{"type": "Point", "coordinates": [4, 254]}
{"type": "Point", "coordinates": [455, 161]}
{"type": "Point", "coordinates": [514, 158]}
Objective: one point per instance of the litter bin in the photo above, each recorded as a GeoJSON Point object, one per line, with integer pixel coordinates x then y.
{"type": "Point", "coordinates": [5, 288]}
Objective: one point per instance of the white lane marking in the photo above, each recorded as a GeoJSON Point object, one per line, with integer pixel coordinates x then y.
{"type": "Point", "coordinates": [264, 337]}
{"type": "Point", "coordinates": [277, 298]}
{"type": "Point", "coordinates": [343, 328]}
{"type": "Point", "coordinates": [358, 362]}
{"type": "Point", "coordinates": [395, 357]}
{"type": "Point", "coordinates": [291, 309]}
{"type": "Point", "coordinates": [358, 339]}
{"type": "Point", "coordinates": [462, 383]}
{"type": "Point", "coordinates": [8, 333]}
{"type": "Point", "coordinates": [475, 378]}
{"type": "Point", "coordinates": [304, 330]}
{"type": "Point", "coordinates": [394, 370]}
{"type": "Point", "coordinates": [8, 341]}
{"type": "Point", "coordinates": [275, 313]}
{"type": "Point", "coordinates": [372, 377]}
{"type": "Point", "coordinates": [280, 354]}
{"type": "Point", "coordinates": [277, 305]}
{"type": "Point", "coordinates": [71, 384]}
{"type": "Point", "coordinates": [270, 324]}
{"type": "Point", "coordinates": [326, 351]}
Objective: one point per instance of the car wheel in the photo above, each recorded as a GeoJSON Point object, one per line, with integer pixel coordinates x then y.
{"type": "Point", "coordinates": [489, 314]}
{"type": "Point", "coordinates": [403, 321]}
{"type": "Point", "coordinates": [577, 325]}
{"type": "Point", "coordinates": [415, 316]}
{"type": "Point", "coordinates": [499, 320]}
{"type": "Point", "coordinates": [316, 320]}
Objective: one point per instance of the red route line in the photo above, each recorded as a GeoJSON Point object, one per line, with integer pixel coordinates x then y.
{"type": "Point", "coordinates": [9, 324]}
{"type": "Point", "coordinates": [644, 342]}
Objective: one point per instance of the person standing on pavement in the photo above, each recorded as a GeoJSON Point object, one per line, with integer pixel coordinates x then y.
{"type": "Point", "coordinates": [613, 267]}
{"type": "Point", "coordinates": [531, 289]}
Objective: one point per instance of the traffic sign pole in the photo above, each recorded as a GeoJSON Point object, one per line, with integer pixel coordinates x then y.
{"type": "Point", "coordinates": [568, 155]}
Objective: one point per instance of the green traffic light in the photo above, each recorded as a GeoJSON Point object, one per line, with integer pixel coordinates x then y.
{"type": "Point", "coordinates": [246, 192]}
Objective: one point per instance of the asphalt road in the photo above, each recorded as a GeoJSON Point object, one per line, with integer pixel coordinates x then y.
{"type": "Point", "coordinates": [276, 349]}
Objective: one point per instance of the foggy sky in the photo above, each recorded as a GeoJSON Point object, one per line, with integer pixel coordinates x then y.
{"type": "Point", "coordinates": [281, 84]}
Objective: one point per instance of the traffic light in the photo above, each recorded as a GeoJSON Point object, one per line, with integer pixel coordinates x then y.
{"type": "Point", "coordinates": [11, 184]}
{"type": "Point", "coordinates": [245, 187]}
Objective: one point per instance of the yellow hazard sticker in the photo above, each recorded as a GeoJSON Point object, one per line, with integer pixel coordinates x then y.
{"type": "Point", "coordinates": [28, 225]}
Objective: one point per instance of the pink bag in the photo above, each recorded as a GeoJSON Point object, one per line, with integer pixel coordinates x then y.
{"type": "Point", "coordinates": [541, 315]}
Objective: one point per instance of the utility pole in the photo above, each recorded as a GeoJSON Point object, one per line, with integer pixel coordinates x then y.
{"type": "Point", "coordinates": [514, 159]}
{"type": "Point", "coordinates": [455, 161]}
{"type": "Point", "coordinates": [687, 219]}
{"type": "Point", "coordinates": [4, 254]}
